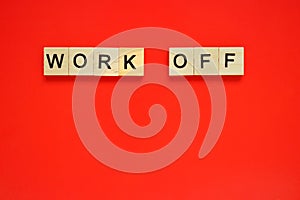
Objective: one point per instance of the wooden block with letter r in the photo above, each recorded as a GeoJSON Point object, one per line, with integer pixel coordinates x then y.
{"type": "Point", "coordinates": [106, 61]}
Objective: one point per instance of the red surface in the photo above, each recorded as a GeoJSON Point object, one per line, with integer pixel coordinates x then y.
{"type": "Point", "coordinates": [257, 156]}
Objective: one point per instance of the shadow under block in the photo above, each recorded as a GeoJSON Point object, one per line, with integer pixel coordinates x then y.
{"type": "Point", "coordinates": [181, 61]}
{"type": "Point", "coordinates": [206, 60]}
{"type": "Point", "coordinates": [81, 61]}
{"type": "Point", "coordinates": [131, 61]}
{"type": "Point", "coordinates": [106, 62]}
{"type": "Point", "coordinates": [56, 60]}
{"type": "Point", "coordinates": [231, 61]}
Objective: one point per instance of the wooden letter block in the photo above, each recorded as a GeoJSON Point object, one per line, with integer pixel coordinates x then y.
{"type": "Point", "coordinates": [181, 61]}
{"type": "Point", "coordinates": [80, 61]}
{"type": "Point", "coordinates": [56, 61]}
{"type": "Point", "coordinates": [231, 60]}
{"type": "Point", "coordinates": [106, 62]}
{"type": "Point", "coordinates": [206, 60]}
{"type": "Point", "coordinates": [131, 61]}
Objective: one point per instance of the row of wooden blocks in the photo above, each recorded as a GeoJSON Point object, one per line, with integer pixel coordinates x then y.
{"type": "Point", "coordinates": [130, 61]}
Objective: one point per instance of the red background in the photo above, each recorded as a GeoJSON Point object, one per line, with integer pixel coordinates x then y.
{"type": "Point", "coordinates": [257, 156]}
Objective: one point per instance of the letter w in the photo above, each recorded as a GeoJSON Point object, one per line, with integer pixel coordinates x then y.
{"type": "Point", "coordinates": [55, 59]}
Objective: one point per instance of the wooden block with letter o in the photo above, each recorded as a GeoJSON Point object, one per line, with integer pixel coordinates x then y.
{"type": "Point", "coordinates": [81, 61]}
{"type": "Point", "coordinates": [181, 61]}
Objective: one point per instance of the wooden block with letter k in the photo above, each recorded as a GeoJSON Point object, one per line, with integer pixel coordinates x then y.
{"type": "Point", "coordinates": [131, 61]}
